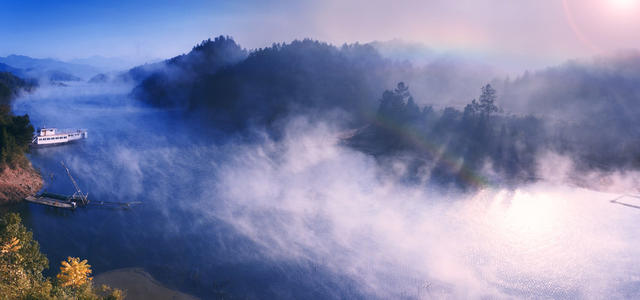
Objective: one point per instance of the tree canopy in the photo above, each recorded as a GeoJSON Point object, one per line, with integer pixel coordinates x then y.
{"type": "Point", "coordinates": [234, 88]}
{"type": "Point", "coordinates": [22, 263]}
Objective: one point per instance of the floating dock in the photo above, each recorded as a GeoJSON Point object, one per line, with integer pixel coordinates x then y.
{"type": "Point", "coordinates": [77, 199]}
{"type": "Point", "coordinates": [40, 199]}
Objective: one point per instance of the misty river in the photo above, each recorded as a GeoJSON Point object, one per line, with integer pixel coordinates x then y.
{"type": "Point", "coordinates": [303, 217]}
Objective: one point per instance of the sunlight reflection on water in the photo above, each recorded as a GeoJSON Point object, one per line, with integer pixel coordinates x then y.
{"type": "Point", "coordinates": [551, 240]}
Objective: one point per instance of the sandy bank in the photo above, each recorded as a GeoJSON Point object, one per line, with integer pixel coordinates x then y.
{"type": "Point", "coordinates": [138, 285]}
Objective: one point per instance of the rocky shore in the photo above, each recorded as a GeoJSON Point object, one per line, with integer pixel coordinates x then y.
{"type": "Point", "coordinates": [18, 182]}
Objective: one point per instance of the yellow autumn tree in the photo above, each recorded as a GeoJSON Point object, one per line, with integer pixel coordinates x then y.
{"type": "Point", "coordinates": [22, 263]}
{"type": "Point", "coordinates": [10, 246]}
{"type": "Point", "coordinates": [74, 272]}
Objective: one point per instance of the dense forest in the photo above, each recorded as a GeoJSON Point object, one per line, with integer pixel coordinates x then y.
{"type": "Point", "coordinates": [15, 131]}
{"type": "Point", "coordinates": [235, 88]}
{"type": "Point", "coordinates": [573, 110]}
{"type": "Point", "coordinates": [11, 85]}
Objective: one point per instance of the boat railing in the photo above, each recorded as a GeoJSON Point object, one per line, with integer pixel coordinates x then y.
{"type": "Point", "coordinates": [70, 130]}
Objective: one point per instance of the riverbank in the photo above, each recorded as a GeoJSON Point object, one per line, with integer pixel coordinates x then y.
{"type": "Point", "coordinates": [18, 182]}
{"type": "Point", "coordinates": [138, 284]}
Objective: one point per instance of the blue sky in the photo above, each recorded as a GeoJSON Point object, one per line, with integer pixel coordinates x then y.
{"type": "Point", "coordinates": [527, 32]}
{"type": "Point", "coordinates": [76, 29]}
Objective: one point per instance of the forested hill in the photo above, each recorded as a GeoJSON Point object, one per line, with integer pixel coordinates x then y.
{"type": "Point", "coordinates": [15, 131]}
{"type": "Point", "coordinates": [233, 87]}
{"type": "Point", "coordinates": [586, 111]}
{"type": "Point", "coordinates": [11, 85]}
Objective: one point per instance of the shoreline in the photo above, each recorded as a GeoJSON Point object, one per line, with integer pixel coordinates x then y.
{"type": "Point", "coordinates": [18, 183]}
{"type": "Point", "coordinates": [138, 284]}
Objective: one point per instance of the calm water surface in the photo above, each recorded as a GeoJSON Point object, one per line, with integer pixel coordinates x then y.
{"type": "Point", "coordinates": [307, 234]}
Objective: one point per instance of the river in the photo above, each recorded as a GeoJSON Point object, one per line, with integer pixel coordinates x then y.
{"type": "Point", "coordinates": [303, 217]}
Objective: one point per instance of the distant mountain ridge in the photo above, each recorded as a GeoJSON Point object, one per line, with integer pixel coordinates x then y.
{"type": "Point", "coordinates": [47, 68]}
{"type": "Point", "coordinates": [109, 64]}
{"type": "Point", "coordinates": [10, 69]}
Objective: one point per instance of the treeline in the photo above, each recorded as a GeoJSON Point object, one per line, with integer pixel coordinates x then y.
{"type": "Point", "coordinates": [454, 146]}
{"type": "Point", "coordinates": [592, 108]}
{"type": "Point", "coordinates": [15, 131]}
{"type": "Point", "coordinates": [22, 263]}
{"type": "Point", "coordinates": [236, 88]}
{"type": "Point", "coordinates": [587, 112]}
{"type": "Point", "coordinates": [480, 144]}
{"type": "Point", "coordinates": [11, 85]}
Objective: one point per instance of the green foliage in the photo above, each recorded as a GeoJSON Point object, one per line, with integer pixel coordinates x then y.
{"type": "Point", "coordinates": [15, 135]}
{"type": "Point", "coordinates": [15, 131]}
{"type": "Point", "coordinates": [21, 270]}
{"type": "Point", "coordinates": [22, 263]}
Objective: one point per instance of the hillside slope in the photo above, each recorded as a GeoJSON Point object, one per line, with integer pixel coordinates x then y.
{"type": "Point", "coordinates": [17, 177]}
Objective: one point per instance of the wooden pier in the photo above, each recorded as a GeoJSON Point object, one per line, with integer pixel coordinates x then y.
{"type": "Point", "coordinates": [51, 202]}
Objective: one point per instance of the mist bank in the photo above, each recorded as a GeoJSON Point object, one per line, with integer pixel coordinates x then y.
{"type": "Point", "coordinates": [481, 145]}
{"type": "Point", "coordinates": [302, 216]}
{"type": "Point", "coordinates": [307, 199]}
{"type": "Point", "coordinates": [582, 109]}
{"type": "Point", "coordinates": [240, 88]}
{"type": "Point", "coordinates": [47, 70]}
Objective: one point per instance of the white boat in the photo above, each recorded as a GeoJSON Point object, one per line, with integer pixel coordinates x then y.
{"type": "Point", "coordinates": [53, 136]}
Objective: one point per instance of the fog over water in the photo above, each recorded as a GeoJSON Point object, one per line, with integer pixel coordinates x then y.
{"type": "Point", "coordinates": [305, 217]}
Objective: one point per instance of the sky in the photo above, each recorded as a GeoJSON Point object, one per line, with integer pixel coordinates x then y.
{"type": "Point", "coordinates": [527, 33]}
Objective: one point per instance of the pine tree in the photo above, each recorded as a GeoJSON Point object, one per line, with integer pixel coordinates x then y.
{"type": "Point", "coordinates": [487, 101]}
